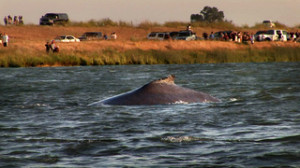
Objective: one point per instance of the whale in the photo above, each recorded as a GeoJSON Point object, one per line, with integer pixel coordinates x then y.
{"type": "Point", "coordinates": [159, 92]}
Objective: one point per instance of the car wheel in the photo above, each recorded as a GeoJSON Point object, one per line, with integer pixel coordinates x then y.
{"type": "Point", "coordinates": [267, 39]}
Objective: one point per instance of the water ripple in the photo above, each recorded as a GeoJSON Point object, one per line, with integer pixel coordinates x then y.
{"type": "Point", "coordinates": [45, 120]}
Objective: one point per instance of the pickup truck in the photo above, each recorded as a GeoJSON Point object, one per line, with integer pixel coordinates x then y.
{"type": "Point", "coordinates": [54, 18]}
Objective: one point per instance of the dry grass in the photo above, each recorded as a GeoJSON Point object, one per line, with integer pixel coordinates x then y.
{"type": "Point", "coordinates": [34, 37]}
{"type": "Point", "coordinates": [44, 33]}
{"type": "Point", "coordinates": [122, 45]}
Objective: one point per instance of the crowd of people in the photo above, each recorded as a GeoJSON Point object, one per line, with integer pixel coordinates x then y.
{"type": "Point", "coordinates": [294, 36]}
{"type": "Point", "coordinates": [17, 20]}
{"type": "Point", "coordinates": [246, 36]}
{"type": "Point", "coordinates": [230, 36]}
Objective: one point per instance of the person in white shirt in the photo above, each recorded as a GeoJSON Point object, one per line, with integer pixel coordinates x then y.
{"type": "Point", "coordinates": [5, 39]}
{"type": "Point", "coordinates": [113, 36]}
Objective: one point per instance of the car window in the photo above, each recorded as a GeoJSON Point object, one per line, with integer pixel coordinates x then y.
{"type": "Point", "coordinates": [63, 16]}
{"type": "Point", "coordinates": [182, 34]}
{"type": "Point", "coordinates": [261, 32]}
{"type": "Point", "coordinates": [91, 34]}
{"type": "Point", "coordinates": [161, 35]}
{"type": "Point", "coordinates": [167, 36]}
{"type": "Point", "coordinates": [270, 32]}
{"type": "Point", "coordinates": [70, 37]}
{"type": "Point", "coordinates": [173, 33]}
{"type": "Point", "coordinates": [152, 35]}
{"type": "Point", "coordinates": [285, 32]}
{"type": "Point", "coordinates": [51, 16]}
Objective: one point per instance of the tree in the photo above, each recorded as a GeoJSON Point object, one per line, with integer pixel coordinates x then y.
{"type": "Point", "coordinates": [208, 14]}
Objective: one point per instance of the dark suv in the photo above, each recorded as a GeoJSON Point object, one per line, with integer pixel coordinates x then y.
{"type": "Point", "coordinates": [54, 18]}
{"type": "Point", "coordinates": [91, 36]}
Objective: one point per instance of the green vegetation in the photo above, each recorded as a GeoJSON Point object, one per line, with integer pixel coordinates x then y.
{"type": "Point", "coordinates": [100, 23]}
{"type": "Point", "coordinates": [222, 24]}
{"type": "Point", "coordinates": [208, 14]}
{"type": "Point", "coordinates": [17, 58]}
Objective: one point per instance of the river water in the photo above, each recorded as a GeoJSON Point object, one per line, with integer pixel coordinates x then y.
{"type": "Point", "coordinates": [45, 120]}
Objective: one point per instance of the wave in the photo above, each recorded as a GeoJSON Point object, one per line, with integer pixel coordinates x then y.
{"type": "Point", "coordinates": [291, 139]}
{"type": "Point", "coordinates": [179, 139]}
{"type": "Point", "coordinates": [64, 140]}
{"type": "Point", "coordinates": [172, 139]}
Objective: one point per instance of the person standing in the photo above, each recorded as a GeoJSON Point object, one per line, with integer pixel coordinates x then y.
{"type": "Point", "coordinates": [9, 20]}
{"type": "Point", "coordinates": [16, 21]}
{"type": "Point", "coordinates": [5, 20]}
{"type": "Point", "coordinates": [54, 47]}
{"type": "Point", "coordinates": [205, 36]}
{"type": "Point", "coordinates": [252, 38]}
{"type": "Point", "coordinates": [48, 46]}
{"type": "Point", "coordinates": [211, 36]}
{"type": "Point", "coordinates": [239, 37]}
{"type": "Point", "coordinates": [189, 27]}
{"type": "Point", "coordinates": [113, 36]}
{"type": "Point", "coordinates": [5, 39]}
{"type": "Point", "coordinates": [105, 37]}
{"type": "Point", "coordinates": [279, 36]}
{"type": "Point", "coordinates": [0, 38]}
{"type": "Point", "coordinates": [21, 22]}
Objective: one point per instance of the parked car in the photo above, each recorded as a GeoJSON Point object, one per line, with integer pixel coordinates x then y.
{"type": "Point", "coordinates": [158, 36]}
{"type": "Point", "coordinates": [66, 39]}
{"type": "Point", "coordinates": [268, 23]}
{"type": "Point", "coordinates": [258, 36]}
{"type": "Point", "coordinates": [91, 36]}
{"type": "Point", "coordinates": [219, 35]}
{"type": "Point", "coordinates": [174, 34]}
{"type": "Point", "coordinates": [54, 18]}
{"type": "Point", "coordinates": [186, 35]}
{"type": "Point", "coordinates": [271, 35]}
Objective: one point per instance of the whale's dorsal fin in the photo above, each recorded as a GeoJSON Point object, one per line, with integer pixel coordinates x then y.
{"type": "Point", "coordinates": [168, 80]}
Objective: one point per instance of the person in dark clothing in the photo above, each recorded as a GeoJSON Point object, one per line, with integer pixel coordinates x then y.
{"type": "Point", "coordinates": [5, 20]}
{"type": "Point", "coordinates": [105, 37]}
{"type": "Point", "coordinates": [205, 36]}
{"type": "Point", "coordinates": [279, 36]}
{"type": "Point", "coordinates": [48, 46]}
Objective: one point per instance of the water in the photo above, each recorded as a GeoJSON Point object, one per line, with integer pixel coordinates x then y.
{"type": "Point", "coordinates": [45, 120]}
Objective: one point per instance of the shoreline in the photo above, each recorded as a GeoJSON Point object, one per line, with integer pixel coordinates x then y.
{"type": "Point", "coordinates": [27, 49]}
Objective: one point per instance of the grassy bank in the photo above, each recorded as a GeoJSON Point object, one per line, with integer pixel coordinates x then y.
{"type": "Point", "coordinates": [21, 58]}
{"type": "Point", "coordinates": [26, 48]}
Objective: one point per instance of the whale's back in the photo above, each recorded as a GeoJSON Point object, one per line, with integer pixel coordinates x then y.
{"type": "Point", "coordinates": [162, 91]}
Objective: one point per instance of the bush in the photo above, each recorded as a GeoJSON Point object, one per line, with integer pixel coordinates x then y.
{"type": "Point", "coordinates": [175, 24]}
{"type": "Point", "coordinates": [94, 23]}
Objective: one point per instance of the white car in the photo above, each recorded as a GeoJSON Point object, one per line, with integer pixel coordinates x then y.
{"type": "Point", "coordinates": [271, 35]}
{"type": "Point", "coordinates": [66, 39]}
